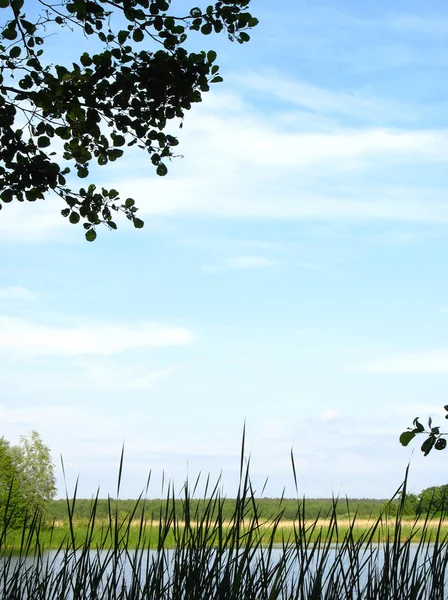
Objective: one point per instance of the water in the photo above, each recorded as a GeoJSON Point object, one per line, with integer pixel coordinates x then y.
{"type": "Point", "coordinates": [322, 571]}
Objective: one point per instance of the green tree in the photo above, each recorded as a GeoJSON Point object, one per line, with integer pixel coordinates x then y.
{"type": "Point", "coordinates": [35, 470]}
{"type": "Point", "coordinates": [133, 76]}
{"type": "Point", "coordinates": [12, 501]}
{"type": "Point", "coordinates": [434, 500]}
{"type": "Point", "coordinates": [27, 481]}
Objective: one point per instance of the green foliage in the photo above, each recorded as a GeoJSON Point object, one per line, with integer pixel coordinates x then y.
{"type": "Point", "coordinates": [112, 98]}
{"type": "Point", "coordinates": [434, 500]}
{"type": "Point", "coordinates": [435, 440]}
{"type": "Point", "coordinates": [267, 507]}
{"type": "Point", "coordinates": [12, 500]}
{"type": "Point", "coordinates": [27, 481]}
{"type": "Point", "coordinates": [36, 472]}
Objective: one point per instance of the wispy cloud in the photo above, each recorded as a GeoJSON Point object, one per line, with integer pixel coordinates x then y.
{"type": "Point", "coordinates": [26, 337]}
{"type": "Point", "coordinates": [14, 294]}
{"type": "Point", "coordinates": [356, 104]}
{"type": "Point", "coordinates": [244, 162]}
{"type": "Point", "coordinates": [415, 363]}
{"type": "Point", "coordinates": [250, 262]}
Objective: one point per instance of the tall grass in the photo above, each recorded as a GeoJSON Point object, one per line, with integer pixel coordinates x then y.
{"type": "Point", "coordinates": [202, 555]}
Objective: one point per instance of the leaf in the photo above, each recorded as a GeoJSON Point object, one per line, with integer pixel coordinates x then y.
{"type": "Point", "coordinates": [63, 132]}
{"type": "Point", "coordinates": [85, 59]}
{"type": "Point", "coordinates": [428, 445]}
{"type": "Point", "coordinates": [206, 29]}
{"type": "Point", "coordinates": [10, 33]}
{"type": "Point", "coordinates": [119, 140]}
{"type": "Point", "coordinates": [114, 154]}
{"type": "Point", "coordinates": [43, 142]}
{"type": "Point", "coordinates": [138, 35]}
{"type": "Point", "coordinates": [83, 172]}
{"type": "Point", "coordinates": [211, 56]}
{"type": "Point", "coordinates": [138, 223]}
{"type": "Point", "coordinates": [406, 437]}
{"type": "Point", "coordinates": [74, 218]}
{"type": "Point", "coordinates": [4, 3]}
{"type": "Point", "coordinates": [440, 444]}
{"type": "Point", "coordinates": [418, 426]}
{"type": "Point", "coordinates": [6, 195]}
{"type": "Point", "coordinates": [91, 235]}
{"type": "Point", "coordinates": [161, 170]}
{"type": "Point", "coordinates": [15, 52]}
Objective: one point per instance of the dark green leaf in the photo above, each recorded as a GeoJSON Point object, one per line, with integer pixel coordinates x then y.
{"type": "Point", "coordinates": [428, 445]}
{"type": "Point", "coordinates": [119, 140]}
{"type": "Point", "coordinates": [10, 33]}
{"type": "Point", "coordinates": [138, 35]}
{"type": "Point", "coordinates": [406, 437]}
{"type": "Point", "coordinates": [83, 172]}
{"type": "Point", "coordinates": [74, 218]}
{"type": "Point", "coordinates": [43, 142]}
{"type": "Point", "coordinates": [6, 195]}
{"type": "Point", "coordinates": [418, 426]}
{"type": "Point", "coordinates": [91, 235]}
{"type": "Point", "coordinates": [161, 170]}
{"type": "Point", "coordinates": [211, 56]}
{"type": "Point", "coordinates": [86, 60]}
{"type": "Point", "coordinates": [206, 29]}
{"type": "Point", "coordinates": [113, 154]}
{"type": "Point", "coordinates": [440, 444]}
{"type": "Point", "coordinates": [138, 223]}
{"type": "Point", "coordinates": [15, 52]}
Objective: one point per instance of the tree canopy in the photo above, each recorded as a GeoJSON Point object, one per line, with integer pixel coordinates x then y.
{"type": "Point", "coordinates": [133, 75]}
{"type": "Point", "coordinates": [27, 481]}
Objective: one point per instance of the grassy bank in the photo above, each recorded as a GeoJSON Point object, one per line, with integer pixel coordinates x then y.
{"type": "Point", "coordinates": [146, 533]}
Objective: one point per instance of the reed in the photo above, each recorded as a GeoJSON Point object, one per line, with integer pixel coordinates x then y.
{"type": "Point", "coordinates": [199, 554]}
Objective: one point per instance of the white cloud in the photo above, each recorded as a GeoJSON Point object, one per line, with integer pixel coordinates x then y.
{"type": "Point", "coordinates": [250, 262]}
{"type": "Point", "coordinates": [25, 337]}
{"type": "Point", "coordinates": [416, 363]}
{"type": "Point", "coordinates": [17, 294]}
{"type": "Point", "coordinates": [329, 415]}
{"type": "Point", "coordinates": [355, 103]}
{"type": "Point", "coordinates": [244, 163]}
{"type": "Point", "coordinates": [102, 375]}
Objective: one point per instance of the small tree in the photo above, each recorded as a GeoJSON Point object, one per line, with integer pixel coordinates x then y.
{"type": "Point", "coordinates": [35, 470]}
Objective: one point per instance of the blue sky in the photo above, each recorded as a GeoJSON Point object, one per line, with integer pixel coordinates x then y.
{"type": "Point", "coordinates": [291, 273]}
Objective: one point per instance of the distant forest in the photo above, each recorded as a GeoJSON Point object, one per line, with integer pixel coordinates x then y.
{"type": "Point", "coordinates": [265, 507]}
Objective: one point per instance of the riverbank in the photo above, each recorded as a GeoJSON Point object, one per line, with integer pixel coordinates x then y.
{"type": "Point", "coordinates": [107, 533]}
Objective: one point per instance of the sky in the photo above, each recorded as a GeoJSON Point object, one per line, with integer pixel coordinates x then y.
{"type": "Point", "coordinates": [290, 277]}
